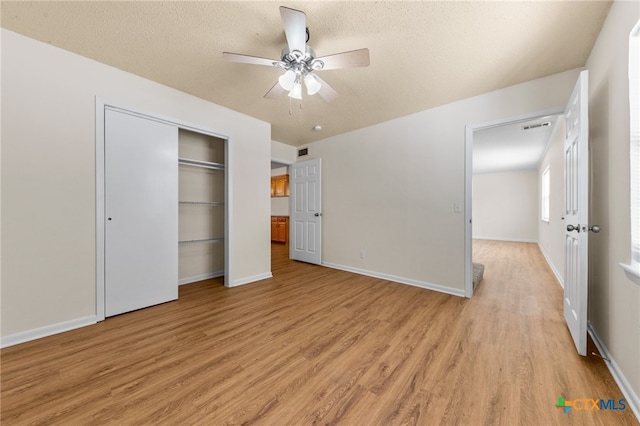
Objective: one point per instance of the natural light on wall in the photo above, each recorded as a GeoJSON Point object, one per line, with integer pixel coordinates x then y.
{"type": "Point", "coordinates": [633, 270]}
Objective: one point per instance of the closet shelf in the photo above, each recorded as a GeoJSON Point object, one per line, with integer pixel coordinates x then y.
{"type": "Point", "coordinates": [208, 240]}
{"type": "Point", "coordinates": [207, 203]}
{"type": "Point", "coordinates": [198, 163]}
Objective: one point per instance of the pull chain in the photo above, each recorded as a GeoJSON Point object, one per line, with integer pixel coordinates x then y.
{"type": "Point", "coordinates": [291, 106]}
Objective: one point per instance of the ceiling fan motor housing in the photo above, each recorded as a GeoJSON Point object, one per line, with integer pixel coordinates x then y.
{"type": "Point", "coordinates": [300, 63]}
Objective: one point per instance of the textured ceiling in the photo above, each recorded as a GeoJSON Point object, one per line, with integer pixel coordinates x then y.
{"type": "Point", "coordinates": [510, 147]}
{"type": "Point", "coordinates": [423, 54]}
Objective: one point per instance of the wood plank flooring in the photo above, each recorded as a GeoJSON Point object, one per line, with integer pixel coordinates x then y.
{"type": "Point", "coordinates": [319, 346]}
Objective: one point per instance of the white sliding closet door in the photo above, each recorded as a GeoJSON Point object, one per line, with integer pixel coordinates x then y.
{"type": "Point", "coordinates": [141, 212]}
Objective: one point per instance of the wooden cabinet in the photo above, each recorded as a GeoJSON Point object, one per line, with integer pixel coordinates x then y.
{"type": "Point", "coordinates": [279, 229]}
{"type": "Point", "coordinates": [280, 186]}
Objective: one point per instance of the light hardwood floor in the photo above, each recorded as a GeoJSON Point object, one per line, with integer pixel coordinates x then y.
{"type": "Point", "coordinates": [319, 346]}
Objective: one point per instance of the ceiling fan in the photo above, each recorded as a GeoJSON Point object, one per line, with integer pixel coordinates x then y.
{"type": "Point", "coordinates": [300, 62]}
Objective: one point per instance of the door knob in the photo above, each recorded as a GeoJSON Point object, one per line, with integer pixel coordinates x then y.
{"type": "Point", "coordinates": [595, 229]}
{"type": "Point", "coordinates": [573, 228]}
{"type": "Point", "coordinates": [317, 214]}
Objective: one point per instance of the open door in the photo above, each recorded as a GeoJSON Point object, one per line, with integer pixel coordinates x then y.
{"type": "Point", "coordinates": [305, 211]}
{"type": "Point", "coordinates": [576, 212]}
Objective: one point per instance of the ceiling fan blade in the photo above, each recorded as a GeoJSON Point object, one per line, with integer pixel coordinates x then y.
{"type": "Point", "coordinates": [248, 59]}
{"type": "Point", "coordinates": [353, 58]}
{"type": "Point", "coordinates": [295, 28]}
{"type": "Point", "coordinates": [274, 92]}
{"type": "Point", "coordinates": [326, 92]}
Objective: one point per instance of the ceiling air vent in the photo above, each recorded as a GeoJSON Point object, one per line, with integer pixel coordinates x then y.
{"type": "Point", "coordinates": [303, 151]}
{"type": "Point", "coordinates": [535, 126]}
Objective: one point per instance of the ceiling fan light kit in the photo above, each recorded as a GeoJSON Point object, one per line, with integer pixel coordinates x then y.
{"type": "Point", "coordinates": [296, 90]}
{"type": "Point", "coordinates": [287, 79]}
{"type": "Point", "coordinates": [300, 62]}
{"type": "Point", "coordinates": [312, 83]}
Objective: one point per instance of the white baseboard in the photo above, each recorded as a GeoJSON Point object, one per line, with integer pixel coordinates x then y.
{"type": "Point", "coordinates": [248, 280]}
{"type": "Point", "coordinates": [514, 240]}
{"type": "Point", "coordinates": [202, 277]}
{"type": "Point", "coordinates": [632, 398]}
{"type": "Point", "coordinates": [49, 330]}
{"type": "Point", "coordinates": [401, 280]}
{"type": "Point", "coordinates": [552, 266]}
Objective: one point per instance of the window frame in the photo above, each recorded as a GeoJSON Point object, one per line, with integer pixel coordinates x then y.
{"type": "Point", "coordinates": [632, 270]}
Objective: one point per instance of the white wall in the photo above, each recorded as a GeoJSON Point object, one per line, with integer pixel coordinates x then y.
{"type": "Point", "coordinates": [614, 300]}
{"type": "Point", "coordinates": [551, 234]}
{"type": "Point", "coordinates": [280, 171]}
{"type": "Point", "coordinates": [390, 189]}
{"type": "Point", "coordinates": [48, 178]}
{"type": "Point", "coordinates": [283, 153]}
{"type": "Point", "coordinates": [505, 206]}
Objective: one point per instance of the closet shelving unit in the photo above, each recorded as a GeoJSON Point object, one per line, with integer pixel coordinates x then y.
{"type": "Point", "coordinates": [202, 175]}
{"type": "Point", "coordinates": [205, 165]}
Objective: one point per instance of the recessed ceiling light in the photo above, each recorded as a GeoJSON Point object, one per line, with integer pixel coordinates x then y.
{"type": "Point", "coordinates": [317, 128]}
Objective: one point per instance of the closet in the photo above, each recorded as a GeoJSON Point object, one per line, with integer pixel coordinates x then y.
{"type": "Point", "coordinates": [201, 213]}
{"type": "Point", "coordinates": [164, 218]}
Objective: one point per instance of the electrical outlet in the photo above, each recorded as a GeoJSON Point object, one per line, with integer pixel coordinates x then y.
{"type": "Point", "coordinates": [362, 254]}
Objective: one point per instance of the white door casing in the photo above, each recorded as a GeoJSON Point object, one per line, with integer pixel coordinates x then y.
{"type": "Point", "coordinates": [576, 212]}
{"type": "Point", "coordinates": [141, 212]}
{"type": "Point", "coordinates": [305, 211]}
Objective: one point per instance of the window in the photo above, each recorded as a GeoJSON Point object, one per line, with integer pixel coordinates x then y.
{"type": "Point", "coordinates": [633, 270]}
{"type": "Point", "coordinates": [544, 202]}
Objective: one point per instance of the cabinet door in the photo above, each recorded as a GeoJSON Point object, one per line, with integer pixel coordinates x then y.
{"type": "Point", "coordinates": [280, 233]}
{"type": "Point", "coordinates": [280, 185]}
{"type": "Point", "coordinates": [274, 229]}
{"type": "Point", "coordinates": [284, 232]}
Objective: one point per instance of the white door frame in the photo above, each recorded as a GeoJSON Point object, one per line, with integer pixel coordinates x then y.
{"type": "Point", "coordinates": [468, 176]}
{"type": "Point", "coordinates": [101, 104]}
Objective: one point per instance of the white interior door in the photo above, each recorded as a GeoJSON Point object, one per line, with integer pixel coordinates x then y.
{"type": "Point", "coordinates": [305, 211]}
{"type": "Point", "coordinates": [576, 212]}
{"type": "Point", "coordinates": [141, 212]}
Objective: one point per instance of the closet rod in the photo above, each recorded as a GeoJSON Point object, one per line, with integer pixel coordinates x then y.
{"type": "Point", "coordinates": [198, 163]}
{"type": "Point", "coordinates": [209, 203]}
{"type": "Point", "coordinates": [208, 240]}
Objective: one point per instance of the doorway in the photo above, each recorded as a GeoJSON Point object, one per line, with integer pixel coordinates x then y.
{"type": "Point", "coordinates": [279, 218]}
{"type": "Point", "coordinates": [495, 159]}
